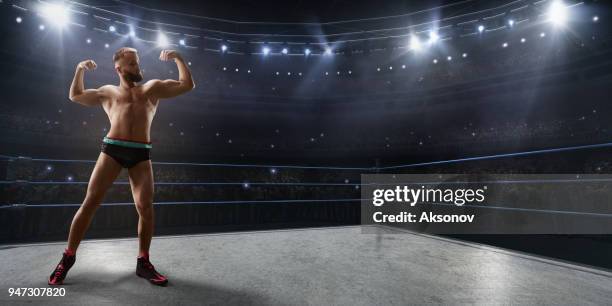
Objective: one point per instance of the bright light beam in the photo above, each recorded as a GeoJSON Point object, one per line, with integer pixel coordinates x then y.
{"type": "Point", "coordinates": [56, 14]}
{"type": "Point", "coordinates": [557, 13]}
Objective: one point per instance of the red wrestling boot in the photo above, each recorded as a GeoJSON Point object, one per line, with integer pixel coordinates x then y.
{"type": "Point", "coordinates": [61, 270]}
{"type": "Point", "coordinates": [145, 269]}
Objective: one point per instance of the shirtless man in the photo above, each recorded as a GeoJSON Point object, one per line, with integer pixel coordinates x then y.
{"type": "Point", "coordinates": [130, 109]}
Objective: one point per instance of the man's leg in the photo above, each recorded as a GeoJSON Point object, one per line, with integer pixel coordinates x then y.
{"type": "Point", "coordinates": [102, 177]}
{"type": "Point", "coordinates": [141, 181]}
{"type": "Point", "coordinates": [104, 174]}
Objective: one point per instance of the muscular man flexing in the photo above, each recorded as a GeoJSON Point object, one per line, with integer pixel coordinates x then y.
{"type": "Point", "coordinates": [130, 109]}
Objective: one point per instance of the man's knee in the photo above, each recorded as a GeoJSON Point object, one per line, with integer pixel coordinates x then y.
{"type": "Point", "coordinates": [93, 199]}
{"type": "Point", "coordinates": [144, 207]}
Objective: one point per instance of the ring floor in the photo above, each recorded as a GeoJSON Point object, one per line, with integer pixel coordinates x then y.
{"type": "Point", "coordinates": [313, 266]}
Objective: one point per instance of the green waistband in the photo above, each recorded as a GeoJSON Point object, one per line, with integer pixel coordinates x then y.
{"type": "Point", "coordinates": [129, 144]}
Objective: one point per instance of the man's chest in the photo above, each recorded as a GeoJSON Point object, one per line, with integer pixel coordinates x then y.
{"type": "Point", "coordinates": [134, 99]}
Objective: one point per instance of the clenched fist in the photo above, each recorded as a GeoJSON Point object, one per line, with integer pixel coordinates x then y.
{"type": "Point", "coordinates": [167, 55]}
{"type": "Point", "coordinates": [88, 65]}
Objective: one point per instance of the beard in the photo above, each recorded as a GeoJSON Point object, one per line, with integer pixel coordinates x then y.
{"type": "Point", "coordinates": [133, 77]}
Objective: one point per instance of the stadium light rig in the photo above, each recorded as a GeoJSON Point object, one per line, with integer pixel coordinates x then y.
{"type": "Point", "coordinates": [433, 37]}
{"type": "Point", "coordinates": [162, 40]}
{"type": "Point", "coordinates": [56, 14]}
{"type": "Point", "coordinates": [557, 13]}
{"type": "Point", "coordinates": [415, 43]}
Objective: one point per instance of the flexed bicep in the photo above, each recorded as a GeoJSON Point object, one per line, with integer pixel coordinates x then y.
{"type": "Point", "coordinates": [78, 93]}
{"type": "Point", "coordinates": [88, 97]}
{"type": "Point", "coordinates": [163, 89]}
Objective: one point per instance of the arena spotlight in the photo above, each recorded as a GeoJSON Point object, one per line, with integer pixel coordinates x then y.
{"type": "Point", "coordinates": [41, 27]}
{"type": "Point", "coordinates": [415, 43]}
{"type": "Point", "coordinates": [464, 55]}
{"type": "Point", "coordinates": [449, 58]}
{"type": "Point", "coordinates": [132, 33]}
{"type": "Point", "coordinates": [511, 22]}
{"type": "Point", "coordinates": [481, 28]}
{"type": "Point", "coordinates": [106, 46]}
{"type": "Point", "coordinates": [284, 51]}
{"type": "Point", "coordinates": [182, 42]}
{"type": "Point", "coordinates": [435, 61]}
{"type": "Point", "coordinates": [557, 13]}
{"type": "Point", "coordinates": [162, 40]}
{"type": "Point", "coordinates": [112, 28]}
{"type": "Point", "coordinates": [433, 37]}
{"type": "Point", "coordinates": [273, 170]}
{"type": "Point", "coordinates": [55, 13]}
{"type": "Point", "coordinates": [307, 52]}
{"type": "Point", "coordinates": [88, 40]}
{"type": "Point", "coordinates": [223, 48]}
{"type": "Point", "coordinates": [595, 19]}
{"type": "Point", "coordinates": [505, 45]}
{"type": "Point", "coordinates": [18, 19]}
{"type": "Point", "coordinates": [328, 51]}
{"type": "Point", "coordinates": [523, 40]}
{"type": "Point", "coordinates": [265, 50]}
{"type": "Point", "coordinates": [543, 34]}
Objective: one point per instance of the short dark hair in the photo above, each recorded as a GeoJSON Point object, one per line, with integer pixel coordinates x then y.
{"type": "Point", "coordinates": [119, 54]}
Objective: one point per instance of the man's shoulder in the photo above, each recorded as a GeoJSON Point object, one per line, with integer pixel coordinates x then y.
{"type": "Point", "coordinates": [148, 85]}
{"type": "Point", "coordinates": [108, 87]}
{"type": "Point", "coordinates": [151, 82]}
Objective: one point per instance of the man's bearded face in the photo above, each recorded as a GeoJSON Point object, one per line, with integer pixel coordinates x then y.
{"type": "Point", "coordinates": [130, 68]}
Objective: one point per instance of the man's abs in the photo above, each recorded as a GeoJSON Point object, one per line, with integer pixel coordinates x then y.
{"type": "Point", "coordinates": [132, 122]}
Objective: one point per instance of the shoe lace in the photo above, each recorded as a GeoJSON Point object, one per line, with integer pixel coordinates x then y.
{"type": "Point", "coordinates": [149, 265]}
{"type": "Point", "coordinates": [59, 270]}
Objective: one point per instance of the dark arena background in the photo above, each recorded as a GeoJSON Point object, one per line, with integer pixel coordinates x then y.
{"type": "Point", "coordinates": [258, 170]}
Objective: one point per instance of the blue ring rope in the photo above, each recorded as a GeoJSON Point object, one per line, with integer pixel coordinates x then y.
{"type": "Point", "coordinates": [197, 202]}
{"type": "Point", "coordinates": [323, 200]}
{"type": "Point", "coordinates": [540, 181]}
{"type": "Point", "coordinates": [570, 148]}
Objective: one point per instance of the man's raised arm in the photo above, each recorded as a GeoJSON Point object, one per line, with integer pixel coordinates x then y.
{"type": "Point", "coordinates": [78, 93]}
{"type": "Point", "coordinates": [171, 88]}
